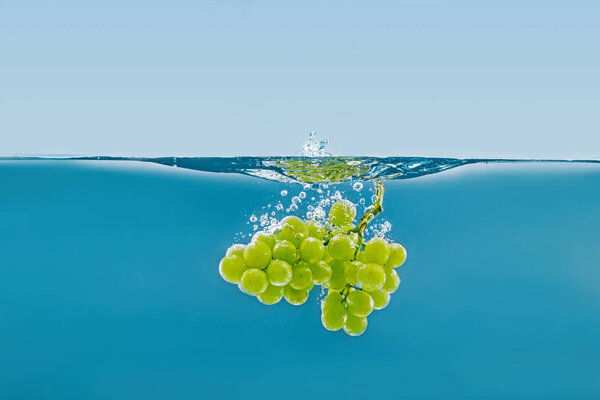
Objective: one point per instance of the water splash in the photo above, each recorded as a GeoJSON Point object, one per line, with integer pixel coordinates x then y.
{"type": "Point", "coordinates": [315, 147]}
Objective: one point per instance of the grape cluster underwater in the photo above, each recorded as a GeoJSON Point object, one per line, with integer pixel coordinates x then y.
{"type": "Point", "coordinates": [289, 261]}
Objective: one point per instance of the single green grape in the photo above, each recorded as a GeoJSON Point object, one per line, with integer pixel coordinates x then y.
{"type": "Point", "coordinates": [293, 229]}
{"type": "Point", "coordinates": [231, 268]}
{"type": "Point", "coordinates": [371, 276]}
{"type": "Point", "coordinates": [351, 270]}
{"type": "Point", "coordinates": [311, 250]}
{"type": "Point", "coordinates": [397, 256]}
{"type": "Point", "coordinates": [296, 223]}
{"type": "Point", "coordinates": [342, 230]}
{"type": "Point", "coordinates": [360, 303]}
{"type": "Point", "coordinates": [337, 280]}
{"type": "Point", "coordinates": [315, 229]}
{"type": "Point", "coordinates": [295, 297]}
{"type": "Point", "coordinates": [302, 278]}
{"type": "Point", "coordinates": [272, 295]}
{"type": "Point", "coordinates": [342, 213]}
{"type": "Point", "coordinates": [263, 236]}
{"type": "Point", "coordinates": [333, 312]}
{"type": "Point", "coordinates": [392, 280]}
{"type": "Point", "coordinates": [341, 247]}
{"type": "Point", "coordinates": [361, 257]}
{"type": "Point", "coordinates": [279, 273]}
{"type": "Point", "coordinates": [236, 250]}
{"type": "Point", "coordinates": [380, 299]}
{"type": "Point", "coordinates": [321, 272]}
{"type": "Point", "coordinates": [286, 251]}
{"type": "Point", "coordinates": [355, 326]}
{"type": "Point", "coordinates": [257, 255]}
{"type": "Point", "coordinates": [254, 281]}
{"type": "Point", "coordinates": [377, 251]}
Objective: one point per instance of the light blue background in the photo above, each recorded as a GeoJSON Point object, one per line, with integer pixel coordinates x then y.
{"type": "Point", "coordinates": [510, 78]}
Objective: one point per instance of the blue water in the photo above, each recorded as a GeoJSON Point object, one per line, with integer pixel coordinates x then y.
{"type": "Point", "coordinates": [109, 289]}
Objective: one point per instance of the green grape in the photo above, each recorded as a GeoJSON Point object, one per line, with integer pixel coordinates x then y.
{"type": "Point", "coordinates": [342, 230]}
{"type": "Point", "coordinates": [263, 236]}
{"type": "Point", "coordinates": [397, 256]}
{"type": "Point", "coordinates": [341, 247]}
{"type": "Point", "coordinates": [236, 250]}
{"type": "Point", "coordinates": [337, 280]}
{"type": "Point", "coordinates": [293, 229]}
{"type": "Point", "coordinates": [296, 223]}
{"type": "Point", "coordinates": [257, 255]}
{"type": "Point", "coordinates": [302, 278]}
{"type": "Point", "coordinates": [361, 257]}
{"type": "Point", "coordinates": [315, 229]}
{"type": "Point", "coordinates": [351, 270]}
{"type": "Point", "coordinates": [392, 280]}
{"type": "Point", "coordinates": [254, 281]}
{"type": "Point", "coordinates": [355, 326]}
{"type": "Point", "coordinates": [321, 272]}
{"type": "Point", "coordinates": [333, 312]}
{"type": "Point", "coordinates": [342, 213]}
{"type": "Point", "coordinates": [380, 299]}
{"type": "Point", "coordinates": [231, 268]}
{"type": "Point", "coordinates": [311, 249]}
{"type": "Point", "coordinates": [272, 295]}
{"type": "Point", "coordinates": [371, 277]}
{"type": "Point", "coordinates": [279, 273]}
{"type": "Point", "coordinates": [360, 303]}
{"type": "Point", "coordinates": [295, 297]}
{"type": "Point", "coordinates": [286, 251]}
{"type": "Point", "coordinates": [377, 251]}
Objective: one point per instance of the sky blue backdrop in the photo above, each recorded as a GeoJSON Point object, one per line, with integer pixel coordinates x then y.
{"type": "Point", "coordinates": [231, 77]}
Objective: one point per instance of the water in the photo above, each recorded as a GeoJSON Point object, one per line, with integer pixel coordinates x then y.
{"type": "Point", "coordinates": [110, 289]}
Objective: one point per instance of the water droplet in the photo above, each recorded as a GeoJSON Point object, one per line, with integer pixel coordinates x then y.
{"type": "Point", "coordinates": [284, 192]}
{"type": "Point", "coordinates": [357, 186]}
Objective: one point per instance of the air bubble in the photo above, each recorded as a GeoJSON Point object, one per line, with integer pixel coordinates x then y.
{"type": "Point", "coordinates": [293, 207]}
{"type": "Point", "coordinates": [296, 200]}
{"type": "Point", "coordinates": [307, 186]}
{"type": "Point", "coordinates": [357, 186]}
{"type": "Point", "coordinates": [362, 201]}
{"type": "Point", "coordinates": [284, 192]}
{"type": "Point", "coordinates": [302, 195]}
{"type": "Point", "coordinates": [253, 218]}
{"type": "Point", "coordinates": [255, 227]}
{"type": "Point", "coordinates": [279, 207]}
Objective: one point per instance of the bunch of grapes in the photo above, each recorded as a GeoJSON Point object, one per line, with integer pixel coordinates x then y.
{"type": "Point", "coordinates": [359, 277]}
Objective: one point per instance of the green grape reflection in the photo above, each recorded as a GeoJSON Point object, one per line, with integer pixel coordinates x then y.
{"type": "Point", "coordinates": [359, 276]}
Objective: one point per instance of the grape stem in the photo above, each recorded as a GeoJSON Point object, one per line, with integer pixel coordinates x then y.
{"type": "Point", "coordinates": [372, 211]}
